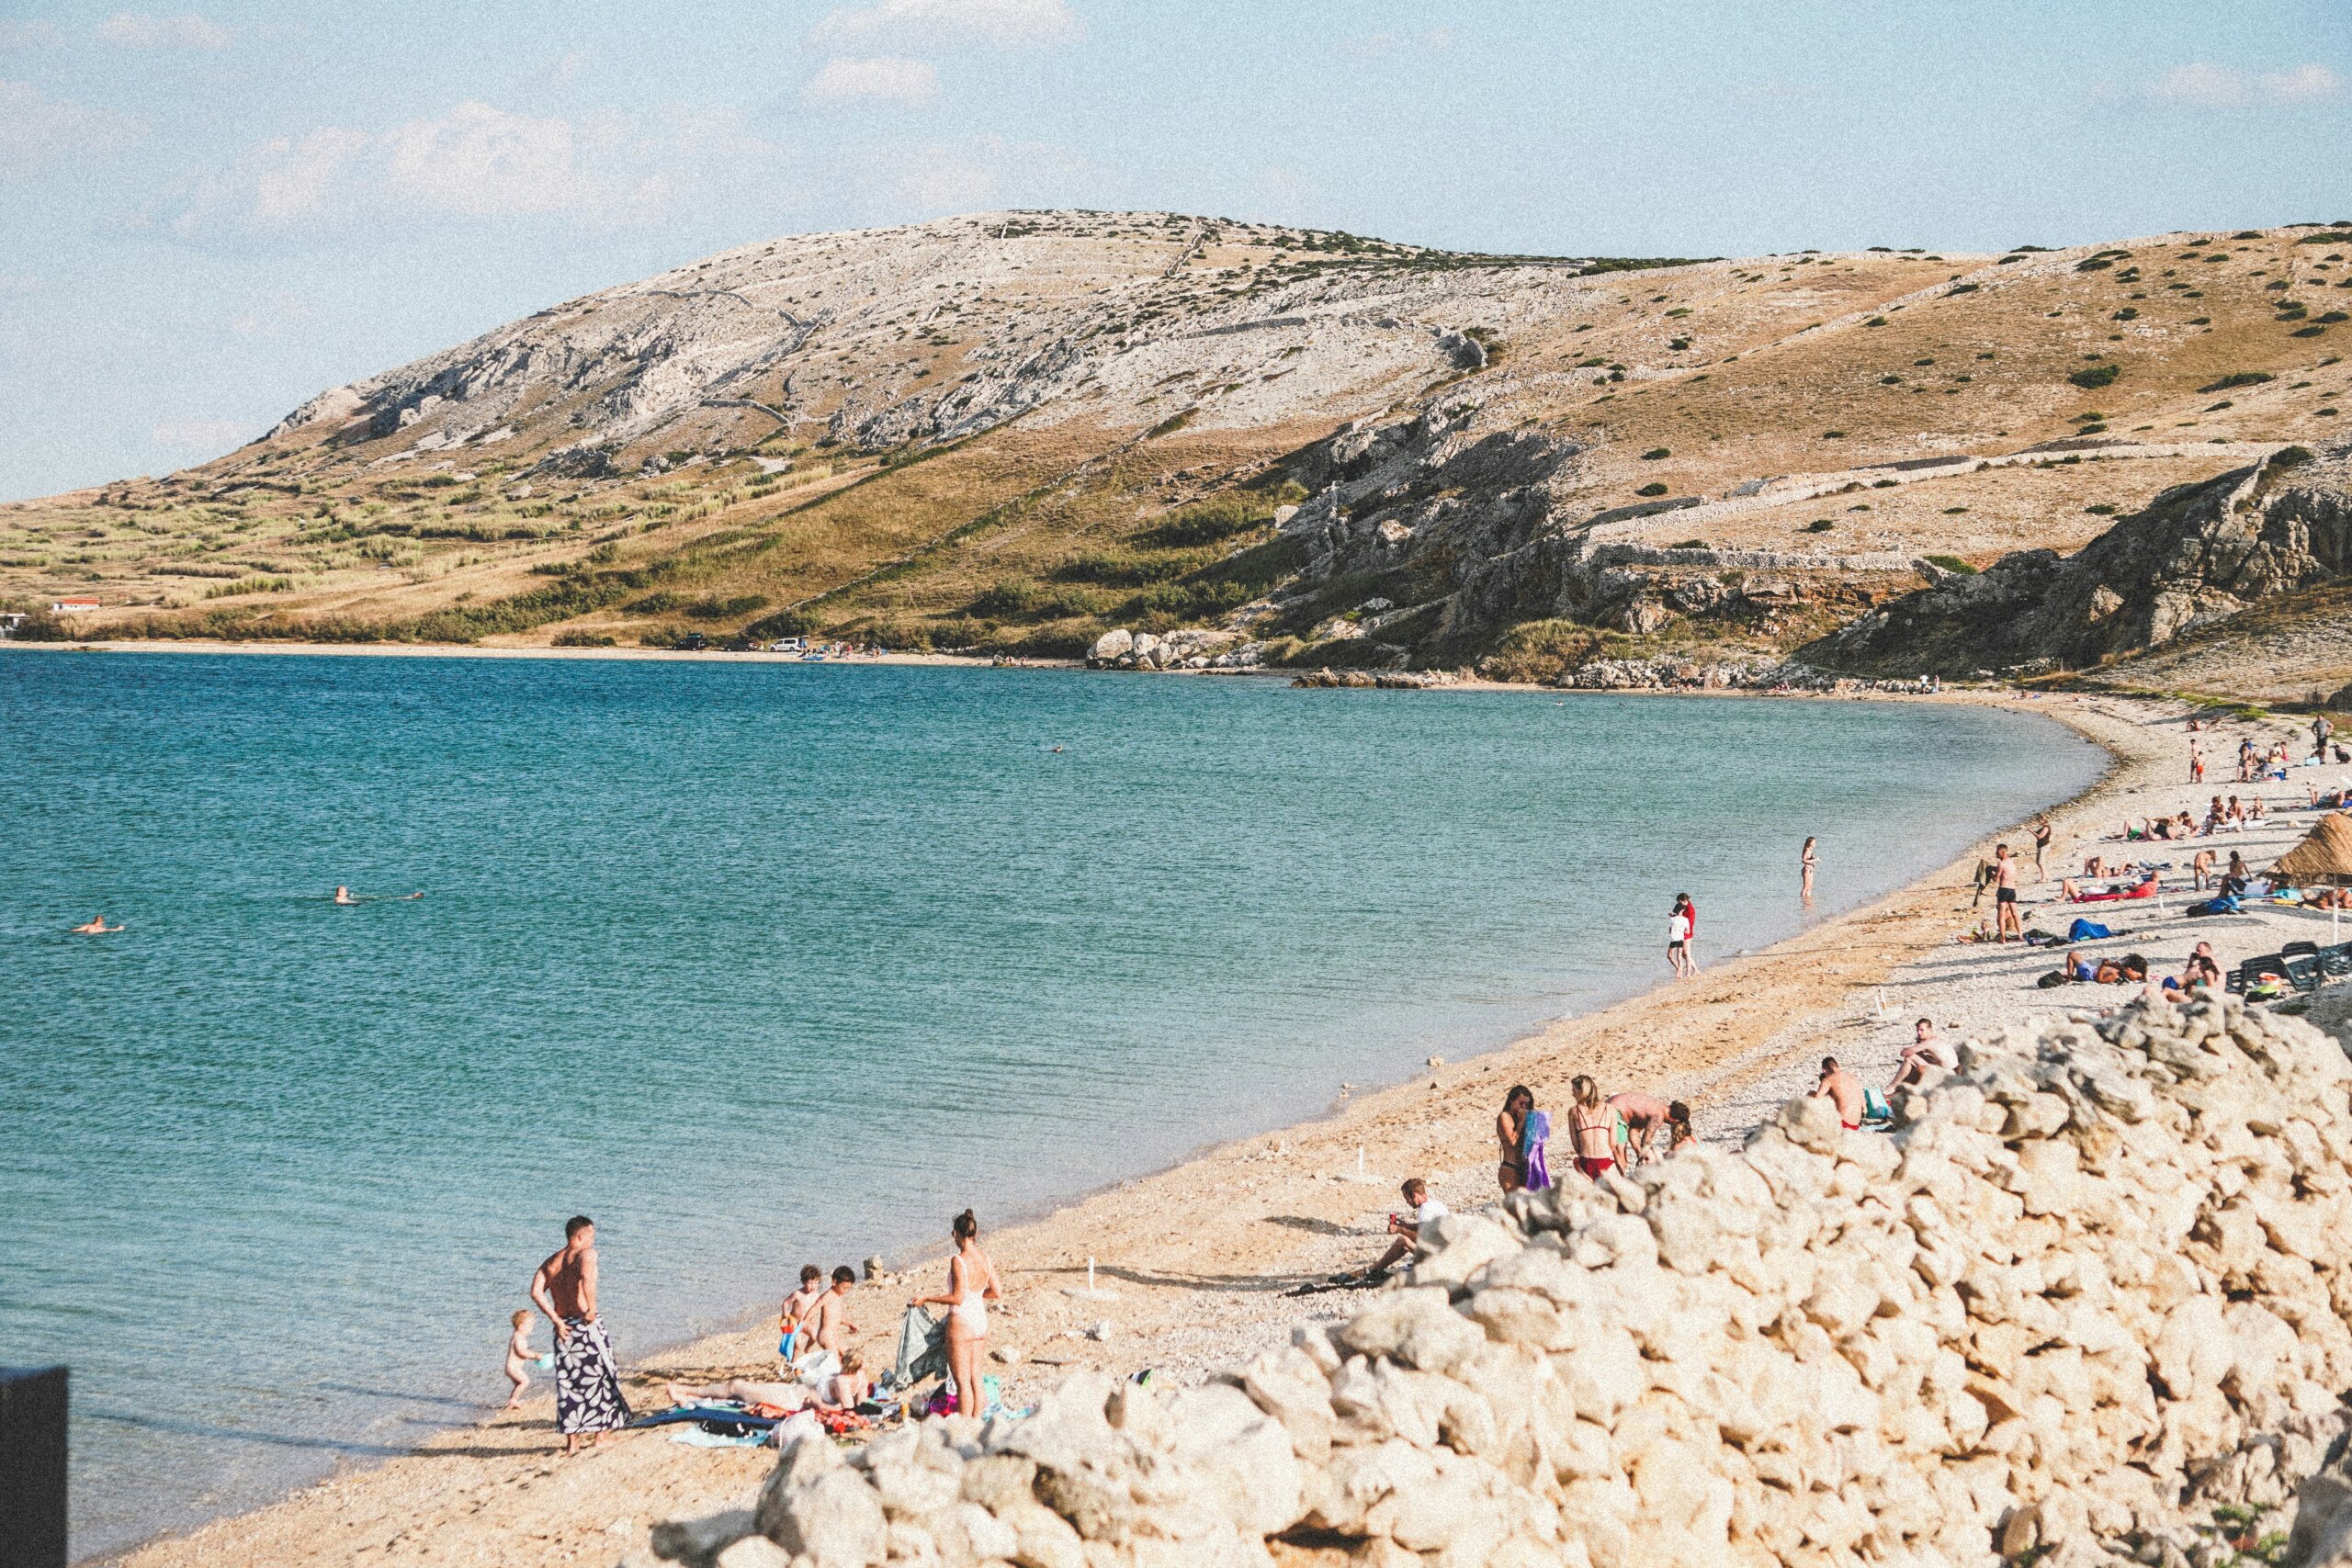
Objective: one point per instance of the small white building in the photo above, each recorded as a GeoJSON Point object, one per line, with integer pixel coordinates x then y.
{"type": "Point", "coordinates": [71, 606]}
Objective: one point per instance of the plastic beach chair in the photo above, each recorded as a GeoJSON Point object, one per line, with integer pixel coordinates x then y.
{"type": "Point", "coordinates": [2289, 948]}
{"type": "Point", "coordinates": [2302, 972]}
{"type": "Point", "coordinates": [2335, 963]}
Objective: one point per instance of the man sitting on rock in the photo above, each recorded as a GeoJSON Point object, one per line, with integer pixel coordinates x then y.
{"type": "Point", "coordinates": [1427, 1211]}
{"type": "Point", "coordinates": [1925, 1052]}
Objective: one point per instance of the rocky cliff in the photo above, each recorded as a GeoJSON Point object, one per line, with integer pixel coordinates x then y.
{"type": "Point", "coordinates": [2193, 558]}
{"type": "Point", "coordinates": [2084, 1305]}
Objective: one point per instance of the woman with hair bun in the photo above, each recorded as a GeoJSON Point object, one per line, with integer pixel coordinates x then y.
{"type": "Point", "coordinates": [971, 1285]}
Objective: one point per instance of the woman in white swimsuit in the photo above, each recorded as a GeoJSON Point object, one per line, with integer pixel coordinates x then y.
{"type": "Point", "coordinates": [971, 1285]}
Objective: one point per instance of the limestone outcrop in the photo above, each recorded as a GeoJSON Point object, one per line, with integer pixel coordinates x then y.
{"type": "Point", "coordinates": [2192, 558]}
{"type": "Point", "coordinates": [2090, 1288]}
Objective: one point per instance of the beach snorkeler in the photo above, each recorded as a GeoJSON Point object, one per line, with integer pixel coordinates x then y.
{"type": "Point", "coordinates": [96, 927]}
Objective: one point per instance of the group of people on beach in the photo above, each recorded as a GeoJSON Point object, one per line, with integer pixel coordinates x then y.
{"type": "Point", "coordinates": [821, 1368]}
{"type": "Point", "coordinates": [1624, 1128]}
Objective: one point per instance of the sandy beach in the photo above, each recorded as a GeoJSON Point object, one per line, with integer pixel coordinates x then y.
{"type": "Point", "coordinates": [1200, 1258]}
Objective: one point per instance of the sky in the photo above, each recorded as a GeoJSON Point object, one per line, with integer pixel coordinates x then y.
{"type": "Point", "coordinates": [208, 216]}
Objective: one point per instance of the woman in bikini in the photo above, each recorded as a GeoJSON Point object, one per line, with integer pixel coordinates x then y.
{"type": "Point", "coordinates": [1513, 1172]}
{"type": "Point", "coordinates": [1591, 1125]}
{"type": "Point", "coordinates": [971, 1285]}
{"type": "Point", "coordinates": [1807, 859]}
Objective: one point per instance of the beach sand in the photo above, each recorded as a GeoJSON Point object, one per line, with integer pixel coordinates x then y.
{"type": "Point", "coordinates": [1200, 1256]}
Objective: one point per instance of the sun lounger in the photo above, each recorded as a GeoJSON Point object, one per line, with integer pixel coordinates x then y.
{"type": "Point", "coordinates": [2303, 973]}
{"type": "Point", "coordinates": [2335, 963]}
{"type": "Point", "coordinates": [2289, 948]}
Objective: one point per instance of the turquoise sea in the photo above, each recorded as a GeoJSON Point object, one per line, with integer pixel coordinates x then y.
{"type": "Point", "coordinates": [766, 963]}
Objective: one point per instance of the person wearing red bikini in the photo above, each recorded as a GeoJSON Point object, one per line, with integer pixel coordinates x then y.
{"type": "Point", "coordinates": [1590, 1126]}
{"type": "Point", "coordinates": [1842, 1090]}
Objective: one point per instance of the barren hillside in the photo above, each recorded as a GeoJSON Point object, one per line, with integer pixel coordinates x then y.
{"type": "Point", "coordinates": [1016, 431]}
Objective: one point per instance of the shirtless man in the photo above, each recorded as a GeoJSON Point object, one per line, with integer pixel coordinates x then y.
{"type": "Point", "coordinates": [1842, 1090]}
{"type": "Point", "coordinates": [786, 1397]}
{"type": "Point", "coordinates": [343, 895]}
{"type": "Point", "coordinates": [831, 1318]}
{"type": "Point", "coordinates": [588, 1400]}
{"type": "Point", "coordinates": [1924, 1051]}
{"type": "Point", "coordinates": [1644, 1115]}
{"type": "Point", "coordinates": [2005, 895]}
{"type": "Point", "coordinates": [97, 927]}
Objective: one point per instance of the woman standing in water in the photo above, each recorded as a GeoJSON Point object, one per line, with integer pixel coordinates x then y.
{"type": "Point", "coordinates": [1807, 859]}
{"type": "Point", "coordinates": [1509, 1124]}
{"type": "Point", "coordinates": [971, 1285]}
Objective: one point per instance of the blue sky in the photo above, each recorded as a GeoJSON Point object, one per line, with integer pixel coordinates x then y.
{"type": "Point", "coordinates": [208, 215]}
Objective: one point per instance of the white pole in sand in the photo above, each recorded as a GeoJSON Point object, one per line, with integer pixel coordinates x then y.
{"type": "Point", "coordinates": [1359, 1161]}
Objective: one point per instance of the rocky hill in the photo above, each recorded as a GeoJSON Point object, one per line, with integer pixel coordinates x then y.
{"type": "Point", "coordinates": [1016, 432]}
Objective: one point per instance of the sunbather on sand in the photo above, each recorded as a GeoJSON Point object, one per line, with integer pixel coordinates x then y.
{"type": "Point", "coordinates": [782, 1397]}
{"type": "Point", "coordinates": [1842, 1090]}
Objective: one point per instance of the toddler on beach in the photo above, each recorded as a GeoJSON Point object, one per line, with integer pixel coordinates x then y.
{"type": "Point", "coordinates": [520, 1359]}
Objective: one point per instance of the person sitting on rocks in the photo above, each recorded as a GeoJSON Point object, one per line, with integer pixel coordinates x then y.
{"type": "Point", "coordinates": [1926, 1052]}
{"type": "Point", "coordinates": [1407, 1229]}
{"type": "Point", "coordinates": [1842, 1090]}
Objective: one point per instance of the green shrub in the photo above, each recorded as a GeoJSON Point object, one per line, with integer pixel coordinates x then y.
{"type": "Point", "coordinates": [655, 604]}
{"type": "Point", "coordinates": [1819, 525]}
{"type": "Point", "coordinates": [583, 639]}
{"type": "Point", "coordinates": [2290, 456]}
{"type": "Point", "coordinates": [1952, 563]}
{"type": "Point", "coordinates": [1875, 322]}
{"type": "Point", "coordinates": [2096, 376]}
{"type": "Point", "coordinates": [1690, 545]}
{"type": "Point", "coordinates": [1954, 510]}
{"type": "Point", "coordinates": [2331, 317]}
{"type": "Point", "coordinates": [2309, 332]}
{"type": "Point", "coordinates": [1654, 453]}
{"type": "Point", "coordinates": [1832, 436]}
{"type": "Point", "coordinates": [1656, 487]}
{"type": "Point", "coordinates": [2240, 378]}
{"type": "Point", "coordinates": [2101, 509]}
{"type": "Point", "coordinates": [2129, 313]}
{"type": "Point", "coordinates": [1884, 484]}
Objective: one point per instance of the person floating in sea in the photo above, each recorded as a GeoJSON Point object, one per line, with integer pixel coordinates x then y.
{"type": "Point", "coordinates": [1677, 938]}
{"type": "Point", "coordinates": [1807, 859]}
{"type": "Point", "coordinates": [971, 1285]}
{"type": "Point", "coordinates": [97, 926]}
{"type": "Point", "coordinates": [1408, 1230]}
{"type": "Point", "coordinates": [1642, 1116]}
{"type": "Point", "coordinates": [520, 1360]}
{"type": "Point", "coordinates": [1510, 1174]}
{"type": "Point", "coordinates": [589, 1405]}
{"type": "Point", "coordinates": [345, 896]}
{"type": "Point", "coordinates": [1842, 1090]}
{"type": "Point", "coordinates": [1592, 1128]}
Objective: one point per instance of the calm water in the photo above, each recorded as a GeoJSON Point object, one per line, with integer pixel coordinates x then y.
{"type": "Point", "coordinates": [762, 964]}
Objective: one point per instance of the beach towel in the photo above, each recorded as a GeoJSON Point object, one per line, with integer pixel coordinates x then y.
{"type": "Point", "coordinates": [2087, 930]}
{"type": "Point", "coordinates": [922, 1349]}
{"type": "Point", "coordinates": [1874, 1107]}
{"type": "Point", "coordinates": [587, 1381]}
{"type": "Point", "coordinates": [1532, 1135]}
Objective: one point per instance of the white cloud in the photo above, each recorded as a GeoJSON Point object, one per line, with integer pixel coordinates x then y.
{"type": "Point", "coordinates": [30, 35]}
{"type": "Point", "coordinates": [477, 163]}
{"type": "Point", "coordinates": [973, 175]}
{"type": "Point", "coordinates": [889, 78]}
{"type": "Point", "coordinates": [135, 29]}
{"type": "Point", "coordinates": [273, 317]}
{"type": "Point", "coordinates": [201, 435]}
{"type": "Point", "coordinates": [18, 283]}
{"type": "Point", "coordinates": [948, 24]}
{"type": "Point", "coordinates": [36, 131]}
{"type": "Point", "coordinates": [2204, 85]}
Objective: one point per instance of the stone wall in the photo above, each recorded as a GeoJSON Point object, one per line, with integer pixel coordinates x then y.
{"type": "Point", "coordinates": [2088, 1290]}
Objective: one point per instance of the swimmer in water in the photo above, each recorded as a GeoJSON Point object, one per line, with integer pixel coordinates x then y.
{"type": "Point", "coordinates": [345, 896]}
{"type": "Point", "coordinates": [97, 927]}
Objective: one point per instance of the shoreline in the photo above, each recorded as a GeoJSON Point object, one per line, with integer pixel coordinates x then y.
{"type": "Point", "coordinates": [1193, 1293]}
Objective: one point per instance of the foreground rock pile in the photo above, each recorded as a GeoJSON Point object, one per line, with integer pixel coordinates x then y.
{"type": "Point", "coordinates": [2087, 1291]}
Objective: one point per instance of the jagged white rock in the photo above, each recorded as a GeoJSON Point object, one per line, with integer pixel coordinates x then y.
{"type": "Point", "coordinates": [2090, 1288]}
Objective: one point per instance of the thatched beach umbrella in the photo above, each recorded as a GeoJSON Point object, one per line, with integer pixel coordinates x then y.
{"type": "Point", "coordinates": [2325, 856]}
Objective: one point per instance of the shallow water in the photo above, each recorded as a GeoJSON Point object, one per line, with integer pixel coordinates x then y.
{"type": "Point", "coordinates": [762, 964]}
